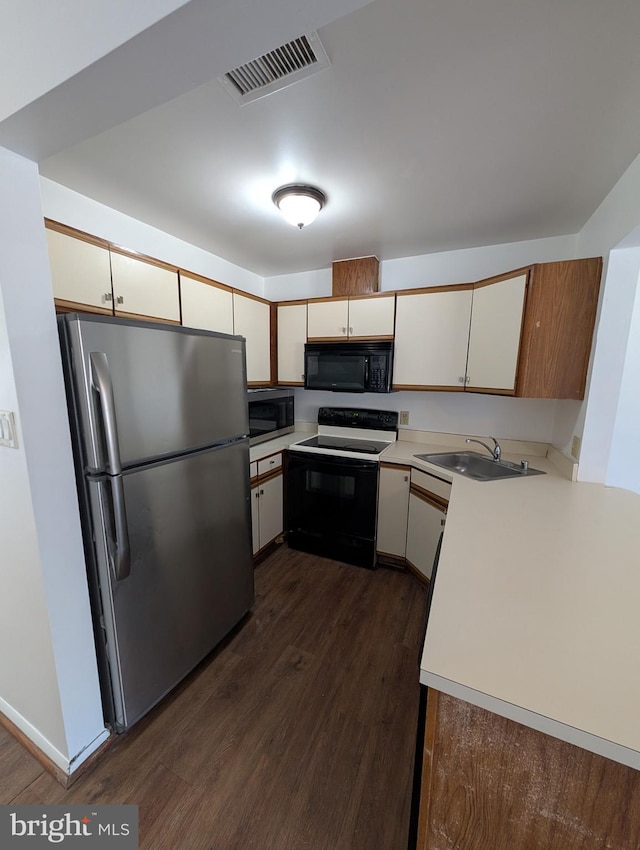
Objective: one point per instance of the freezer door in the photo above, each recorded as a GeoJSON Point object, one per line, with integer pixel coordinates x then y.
{"type": "Point", "coordinates": [191, 571]}
{"type": "Point", "coordinates": [168, 389]}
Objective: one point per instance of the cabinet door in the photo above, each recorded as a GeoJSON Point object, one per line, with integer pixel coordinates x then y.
{"type": "Point", "coordinates": [252, 320]}
{"type": "Point", "coordinates": [205, 306]}
{"type": "Point", "coordinates": [143, 289]}
{"type": "Point", "coordinates": [328, 319]}
{"type": "Point", "coordinates": [271, 522]}
{"type": "Point", "coordinates": [393, 511]}
{"type": "Point", "coordinates": [432, 334]}
{"type": "Point", "coordinates": [80, 272]}
{"type": "Point", "coordinates": [292, 335]}
{"type": "Point", "coordinates": [426, 521]}
{"type": "Point", "coordinates": [255, 519]}
{"type": "Point", "coordinates": [494, 338]}
{"type": "Point", "coordinates": [372, 317]}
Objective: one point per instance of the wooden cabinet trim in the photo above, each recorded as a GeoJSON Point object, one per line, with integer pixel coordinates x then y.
{"type": "Point", "coordinates": [430, 498]}
{"type": "Point", "coordinates": [293, 303]}
{"type": "Point", "coordinates": [63, 306]}
{"type": "Point", "coordinates": [428, 761]}
{"type": "Point", "coordinates": [268, 476]}
{"type": "Point", "coordinates": [491, 391]}
{"type": "Point", "coordinates": [366, 297]}
{"type": "Point", "coordinates": [250, 295]}
{"type": "Point", "coordinates": [74, 233]}
{"type": "Point", "coordinates": [487, 281]}
{"type": "Point", "coordinates": [142, 317]}
{"type": "Point", "coordinates": [388, 465]}
{"type": "Point", "coordinates": [320, 300]}
{"type": "Point", "coordinates": [206, 280]}
{"type": "Point", "coordinates": [429, 290]}
{"type": "Point", "coordinates": [143, 258]}
{"type": "Point", "coordinates": [365, 338]}
{"type": "Point", "coordinates": [441, 388]}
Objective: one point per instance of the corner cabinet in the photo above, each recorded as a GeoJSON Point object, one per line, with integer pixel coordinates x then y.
{"type": "Point", "coordinates": [428, 502]}
{"type": "Point", "coordinates": [432, 337]}
{"type": "Point", "coordinates": [393, 511]}
{"type": "Point", "coordinates": [266, 501]}
{"type": "Point", "coordinates": [494, 335]}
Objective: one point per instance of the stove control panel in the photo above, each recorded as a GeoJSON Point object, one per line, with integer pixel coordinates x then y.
{"type": "Point", "coordinates": [359, 417]}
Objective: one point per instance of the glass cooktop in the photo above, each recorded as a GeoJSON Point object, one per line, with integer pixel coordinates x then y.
{"type": "Point", "coordinates": [345, 444]}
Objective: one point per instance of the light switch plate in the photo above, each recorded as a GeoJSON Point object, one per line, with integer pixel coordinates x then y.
{"type": "Point", "coordinates": [8, 430]}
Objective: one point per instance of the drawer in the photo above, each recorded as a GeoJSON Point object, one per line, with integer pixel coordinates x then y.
{"type": "Point", "coordinates": [431, 483]}
{"type": "Point", "coordinates": [268, 464]}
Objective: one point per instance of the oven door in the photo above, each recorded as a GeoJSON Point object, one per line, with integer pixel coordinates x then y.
{"type": "Point", "coordinates": [331, 507]}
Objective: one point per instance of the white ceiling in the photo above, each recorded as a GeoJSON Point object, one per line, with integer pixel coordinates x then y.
{"type": "Point", "coordinates": [439, 125]}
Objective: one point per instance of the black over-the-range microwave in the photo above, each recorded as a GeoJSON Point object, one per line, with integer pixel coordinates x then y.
{"type": "Point", "coordinates": [356, 367]}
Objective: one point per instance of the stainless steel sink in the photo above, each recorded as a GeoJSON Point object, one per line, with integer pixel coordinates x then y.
{"type": "Point", "coordinates": [480, 467]}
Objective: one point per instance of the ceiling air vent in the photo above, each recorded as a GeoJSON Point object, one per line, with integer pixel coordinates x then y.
{"type": "Point", "coordinates": [276, 70]}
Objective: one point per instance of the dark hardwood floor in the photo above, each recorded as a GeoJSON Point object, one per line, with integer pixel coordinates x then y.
{"type": "Point", "coordinates": [298, 733]}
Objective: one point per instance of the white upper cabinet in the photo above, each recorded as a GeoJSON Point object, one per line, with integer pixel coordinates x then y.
{"type": "Point", "coordinates": [80, 271]}
{"type": "Point", "coordinates": [144, 289]}
{"type": "Point", "coordinates": [252, 320]}
{"type": "Point", "coordinates": [328, 319]}
{"type": "Point", "coordinates": [494, 339]}
{"type": "Point", "coordinates": [372, 316]}
{"type": "Point", "coordinates": [206, 306]}
{"type": "Point", "coordinates": [292, 335]}
{"type": "Point", "coordinates": [432, 334]}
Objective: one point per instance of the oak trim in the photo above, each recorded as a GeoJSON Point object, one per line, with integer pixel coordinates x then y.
{"type": "Point", "coordinates": [264, 384]}
{"type": "Point", "coordinates": [488, 281]}
{"type": "Point", "coordinates": [273, 342]}
{"type": "Point", "coordinates": [202, 279]}
{"type": "Point", "coordinates": [323, 298]}
{"type": "Point", "coordinates": [430, 498]}
{"type": "Point", "coordinates": [385, 464]}
{"type": "Point", "coordinates": [251, 296]}
{"type": "Point", "coordinates": [122, 314]}
{"type": "Point", "coordinates": [292, 303]}
{"type": "Point", "coordinates": [490, 390]}
{"type": "Point", "coordinates": [144, 258]}
{"type": "Point", "coordinates": [268, 476]}
{"type": "Point", "coordinates": [388, 559]}
{"type": "Point", "coordinates": [426, 290]}
{"type": "Point", "coordinates": [344, 338]}
{"type": "Point", "coordinates": [416, 573]}
{"type": "Point", "coordinates": [34, 750]}
{"type": "Point", "coordinates": [366, 296]}
{"type": "Point", "coordinates": [290, 383]}
{"type": "Point", "coordinates": [428, 758]}
{"type": "Point", "coordinates": [63, 306]}
{"type": "Point", "coordinates": [372, 338]}
{"type": "Point", "coordinates": [73, 232]}
{"type": "Point", "coordinates": [428, 388]}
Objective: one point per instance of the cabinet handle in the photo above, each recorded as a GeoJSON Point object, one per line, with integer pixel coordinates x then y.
{"type": "Point", "coordinates": [257, 494]}
{"type": "Point", "coordinates": [467, 379]}
{"type": "Point", "coordinates": [262, 492]}
{"type": "Point", "coordinates": [120, 299]}
{"type": "Point", "coordinates": [344, 330]}
{"type": "Point", "coordinates": [406, 478]}
{"type": "Point", "coordinates": [107, 298]}
{"type": "Point", "coordinates": [461, 379]}
{"type": "Point", "coordinates": [351, 331]}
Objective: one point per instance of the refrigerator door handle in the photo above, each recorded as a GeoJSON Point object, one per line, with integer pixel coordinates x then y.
{"type": "Point", "coordinates": [101, 382]}
{"type": "Point", "coordinates": [122, 556]}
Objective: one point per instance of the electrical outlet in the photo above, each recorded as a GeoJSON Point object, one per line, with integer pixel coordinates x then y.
{"type": "Point", "coordinates": [575, 446]}
{"type": "Point", "coordinates": [8, 430]}
{"type": "Point", "coordinates": [404, 417]}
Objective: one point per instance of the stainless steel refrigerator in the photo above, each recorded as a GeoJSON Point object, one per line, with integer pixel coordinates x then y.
{"type": "Point", "coordinates": [160, 431]}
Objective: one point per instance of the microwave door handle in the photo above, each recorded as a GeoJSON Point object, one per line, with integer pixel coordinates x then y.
{"type": "Point", "coordinates": [366, 372]}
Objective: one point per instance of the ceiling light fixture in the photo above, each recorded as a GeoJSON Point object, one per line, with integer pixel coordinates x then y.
{"type": "Point", "coordinates": [298, 203]}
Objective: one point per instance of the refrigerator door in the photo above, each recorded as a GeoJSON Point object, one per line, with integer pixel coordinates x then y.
{"type": "Point", "coordinates": [190, 577]}
{"type": "Point", "coordinates": [166, 389]}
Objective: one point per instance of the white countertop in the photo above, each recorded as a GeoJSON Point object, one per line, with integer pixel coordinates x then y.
{"type": "Point", "coordinates": [536, 607]}
{"type": "Point", "coordinates": [270, 447]}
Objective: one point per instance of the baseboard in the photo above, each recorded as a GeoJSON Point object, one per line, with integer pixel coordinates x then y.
{"type": "Point", "coordinates": [415, 572]}
{"type": "Point", "coordinates": [51, 759]}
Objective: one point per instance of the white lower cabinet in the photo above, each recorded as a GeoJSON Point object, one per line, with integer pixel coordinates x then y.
{"type": "Point", "coordinates": [266, 503]}
{"type": "Point", "coordinates": [428, 501]}
{"type": "Point", "coordinates": [393, 510]}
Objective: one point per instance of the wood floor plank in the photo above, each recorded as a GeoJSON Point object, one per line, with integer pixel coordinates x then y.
{"type": "Point", "coordinates": [18, 768]}
{"type": "Point", "coordinates": [297, 733]}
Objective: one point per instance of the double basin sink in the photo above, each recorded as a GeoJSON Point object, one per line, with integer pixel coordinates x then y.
{"type": "Point", "coordinates": [479, 467]}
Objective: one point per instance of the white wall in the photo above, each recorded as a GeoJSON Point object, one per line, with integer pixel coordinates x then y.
{"type": "Point", "coordinates": [453, 413]}
{"type": "Point", "coordinates": [624, 459]}
{"type": "Point", "coordinates": [71, 208]}
{"type": "Point", "coordinates": [48, 673]}
{"type": "Point", "coordinates": [445, 267]}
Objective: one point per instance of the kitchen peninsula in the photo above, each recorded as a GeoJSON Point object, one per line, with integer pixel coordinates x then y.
{"type": "Point", "coordinates": [533, 629]}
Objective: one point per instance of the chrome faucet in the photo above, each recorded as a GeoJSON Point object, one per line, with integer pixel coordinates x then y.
{"type": "Point", "coordinates": [495, 452]}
